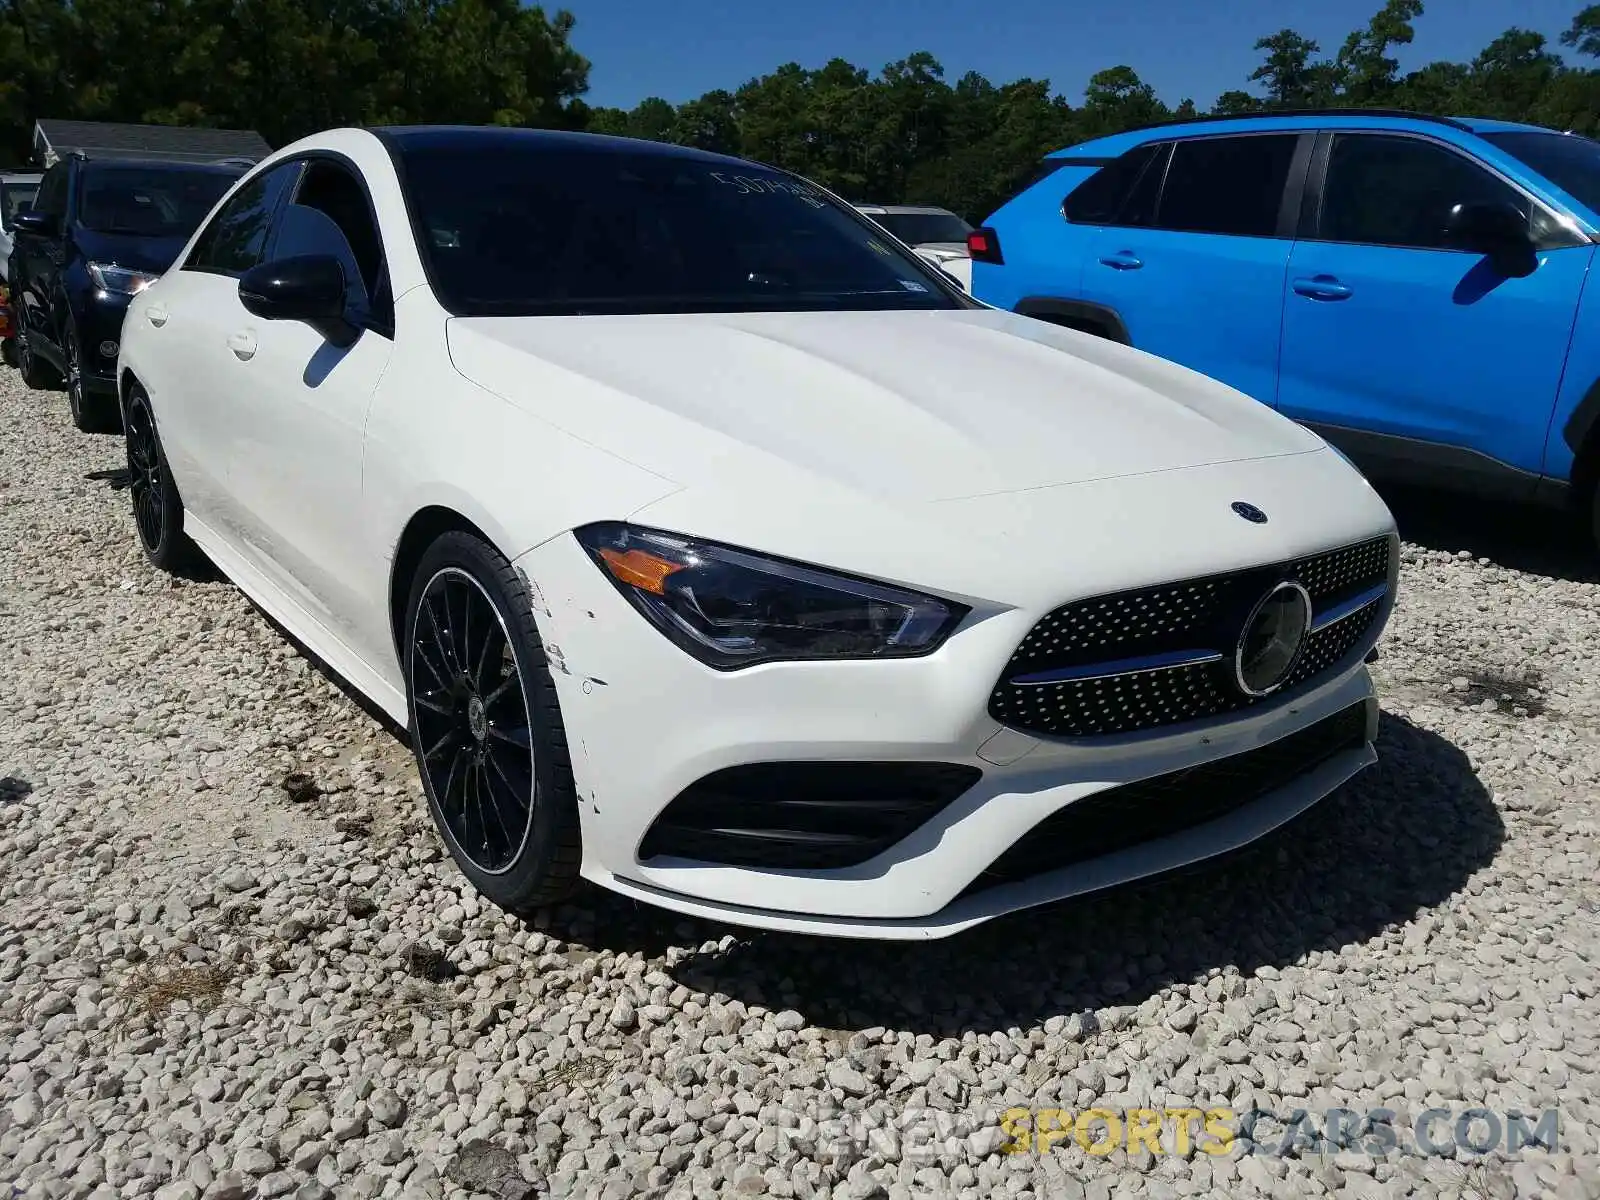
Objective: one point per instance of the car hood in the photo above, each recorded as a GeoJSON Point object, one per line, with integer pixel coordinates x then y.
{"type": "Point", "coordinates": [152, 254]}
{"type": "Point", "coordinates": [903, 407]}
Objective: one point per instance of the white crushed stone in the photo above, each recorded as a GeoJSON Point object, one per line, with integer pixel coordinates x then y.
{"type": "Point", "coordinates": [210, 990]}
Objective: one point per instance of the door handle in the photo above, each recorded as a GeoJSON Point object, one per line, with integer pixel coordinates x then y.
{"type": "Point", "coordinates": [243, 345]}
{"type": "Point", "coordinates": [156, 315]}
{"type": "Point", "coordinates": [1123, 260]}
{"type": "Point", "coordinates": [1322, 287]}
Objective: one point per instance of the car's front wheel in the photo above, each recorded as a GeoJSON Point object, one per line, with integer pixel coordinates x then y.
{"type": "Point", "coordinates": [92, 412]}
{"type": "Point", "coordinates": [157, 508]}
{"type": "Point", "coordinates": [486, 726]}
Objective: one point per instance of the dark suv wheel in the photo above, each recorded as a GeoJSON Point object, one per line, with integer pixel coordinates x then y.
{"type": "Point", "coordinates": [92, 412]}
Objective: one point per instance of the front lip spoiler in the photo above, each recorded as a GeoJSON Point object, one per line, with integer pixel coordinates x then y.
{"type": "Point", "coordinates": [1228, 833]}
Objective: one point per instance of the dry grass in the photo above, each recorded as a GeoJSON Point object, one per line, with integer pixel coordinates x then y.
{"type": "Point", "coordinates": [150, 991]}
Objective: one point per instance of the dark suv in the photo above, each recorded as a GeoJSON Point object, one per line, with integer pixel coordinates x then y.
{"type": "Point", "coordinates": [97, 233]}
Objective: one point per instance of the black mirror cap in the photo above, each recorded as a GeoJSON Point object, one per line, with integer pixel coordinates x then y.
{"type": "Point", "coordinates": [308, 287]}
{"type": "Point", "coordinates": [1490, 228]}
{"type": "Point", "coordinates": [29, 220]}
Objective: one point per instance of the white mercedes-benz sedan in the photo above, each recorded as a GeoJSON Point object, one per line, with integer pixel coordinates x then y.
{"type": "Point", "coordinates": [718, 550]}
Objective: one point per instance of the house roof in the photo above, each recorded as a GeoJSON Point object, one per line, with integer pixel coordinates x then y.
{"type": "Point", "coordinates": [172, 143]}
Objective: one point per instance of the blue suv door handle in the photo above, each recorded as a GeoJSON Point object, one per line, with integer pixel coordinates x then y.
{"type": "Point", "coordinates": [1123, 260]}
{"type": "Point", "coordinates": [1322, 287]}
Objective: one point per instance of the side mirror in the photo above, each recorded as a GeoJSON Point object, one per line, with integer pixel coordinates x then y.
{"type": "Point", "coordinates": [309, 288]}
{"type": "Point", "coordinates": [1500, 231]}
{"type": "Point", "coordinates": [31, 220]}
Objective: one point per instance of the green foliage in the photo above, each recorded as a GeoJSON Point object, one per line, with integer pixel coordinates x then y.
{"type": "Point", "coordinates": [907, 133]}
{"type": "Point", "coordinates": [285, 67]}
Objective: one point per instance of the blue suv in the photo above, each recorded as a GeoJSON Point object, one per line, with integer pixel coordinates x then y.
{"type": "Point", "coordinates": [1413, 288]}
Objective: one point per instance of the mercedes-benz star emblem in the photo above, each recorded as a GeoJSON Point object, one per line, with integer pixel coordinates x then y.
{"type": "Point", "coordinates": [1274, 635]}
{"type": "Point", "coordinates": [1250, 512]}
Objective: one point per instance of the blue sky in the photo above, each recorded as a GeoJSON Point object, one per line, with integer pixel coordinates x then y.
{"type": "Point", "coordinates": [679, 49]}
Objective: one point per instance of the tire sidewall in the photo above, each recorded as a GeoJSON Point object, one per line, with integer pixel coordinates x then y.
{"type": "Point", "coordinates": [164, 553]}
{"type": "Point", "coordinates": [553, 798]}
{"type": "Point", "coordinates": [75, 396]}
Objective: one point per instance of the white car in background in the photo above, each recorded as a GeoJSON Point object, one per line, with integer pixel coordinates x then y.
{"type": "Point", "coordinates": [715, 550]}
{"type": "Point", "coordinates": [17, 190]}
{"type": "Point", "coordinates": [937, 234]}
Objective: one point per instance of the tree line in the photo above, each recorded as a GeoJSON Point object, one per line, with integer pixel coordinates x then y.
{"type": "Point", "coordinates": [904, 134]}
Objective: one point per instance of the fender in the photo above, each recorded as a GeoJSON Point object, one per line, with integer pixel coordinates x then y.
{"type": "Point", "coordinates": [1051, 308]}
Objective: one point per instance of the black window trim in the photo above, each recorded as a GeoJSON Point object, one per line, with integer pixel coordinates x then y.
{"type": "Point", "coordinates": [244, 181]}
{"type": "Point", "coordinates": [381, 296]}
{"type": "Point", "coordinates": [1310, 223]}
{"type": "Point", "coordinates": [1294, 184]}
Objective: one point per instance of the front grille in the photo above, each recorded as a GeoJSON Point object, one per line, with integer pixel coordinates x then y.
{"type": "Point", "coordinates": [1163, 655]}
{"type": "Point", "coordinates": [1131, 813]}
{"type": "Point", "coordinates": [803, 815]}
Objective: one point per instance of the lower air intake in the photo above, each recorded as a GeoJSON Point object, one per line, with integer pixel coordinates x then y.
{"type": "Point", "coordinates": [1127, 815]}
{"type": "Point", "coordinates": [803, 815]}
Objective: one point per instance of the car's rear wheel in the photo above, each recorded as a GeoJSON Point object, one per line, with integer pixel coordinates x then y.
{"type": "Point", "coordinates": [157, 508]}
{"type": "Point", "coordinates": [91, 412]}
{"type": "Point", "coordinates": [35, 372]}
{"type": "Point", "coordinates": [486, 726]}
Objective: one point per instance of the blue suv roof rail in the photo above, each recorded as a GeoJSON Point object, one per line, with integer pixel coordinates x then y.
{"type": "Point", "coordinates": [1267, 114]}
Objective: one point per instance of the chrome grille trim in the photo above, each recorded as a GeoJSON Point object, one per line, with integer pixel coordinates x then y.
{"type": "Point", "coordinates": [1123, 666]}
{"type": "Point", "coordinates": [1160, 655]}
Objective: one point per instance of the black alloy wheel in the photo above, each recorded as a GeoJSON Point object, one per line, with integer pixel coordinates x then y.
{"type": "Point", "coordinates": [91, 413]}
{"type": "Point", "coordinates": [34, 371]}
{"type": "Point", "coordinates": [157, 509]}
{"type": "Point", "coordinates": [486, 726]}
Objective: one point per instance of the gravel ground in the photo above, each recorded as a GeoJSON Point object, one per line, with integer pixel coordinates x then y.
{"type": "Point", "coordinates": [213, 984]}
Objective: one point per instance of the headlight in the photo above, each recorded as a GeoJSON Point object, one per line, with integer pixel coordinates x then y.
{"type": "Point", "coordinates": [109, 277]}
{"type": "Point", "coordinates": [731, 608]}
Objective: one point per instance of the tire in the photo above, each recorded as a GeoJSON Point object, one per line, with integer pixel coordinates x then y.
{"type": "Point", "coordinates": [486, 726]}
{"type": "Point", "coordinates": [36, 373]}
{"type": "Point", "coordinates": [157, 508]}
{"type": "Point", "coordinates": [92, 412]}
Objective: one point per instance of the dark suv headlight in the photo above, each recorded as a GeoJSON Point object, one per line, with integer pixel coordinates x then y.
{"type": "Point", "coordinates": [733, 608]}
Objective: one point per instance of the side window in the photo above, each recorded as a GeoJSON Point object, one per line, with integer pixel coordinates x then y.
{"type": "Point", "coordinates": [1121, 192]}
{"type": "Point", "coordinates": [330, 215]}
{"type": "Point", "coordinates": [52, 197]}
{"type": "Point", "coordinates": [1385, 190]}
{"type": "Point", "coordinates": [1227, 185]}
{"type": "Point", "coordinates": [237, 235]}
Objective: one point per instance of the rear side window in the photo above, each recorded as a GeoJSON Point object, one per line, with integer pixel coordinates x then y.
{"type": "Point", "coordinates": [1120, 193]}
{"type": "Point", "coordinates": [1227, 185]}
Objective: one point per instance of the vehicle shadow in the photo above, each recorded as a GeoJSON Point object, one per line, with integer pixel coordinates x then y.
{"type": "Point", "coordinates": [1553, 543]}
{"type": "Point", "coordinates": [1399, 839]}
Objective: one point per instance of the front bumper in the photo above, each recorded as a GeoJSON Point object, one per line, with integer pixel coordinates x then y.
{"type": "Point", "coordinates": [646, 722]}
{"type": "Point", "coordinates": [99, 316]}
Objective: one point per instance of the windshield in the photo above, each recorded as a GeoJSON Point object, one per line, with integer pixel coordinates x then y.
{"type": "Point", "coordinates": [584, 230]}
{"type": "Point", "coordinates": [17, 197]}
{"type": "Point", "coordinates": [916, 229]}
{"type": "Point", "coordinates": [149, 203]}
{"type": "Point", "coordinates": [1570, 162]}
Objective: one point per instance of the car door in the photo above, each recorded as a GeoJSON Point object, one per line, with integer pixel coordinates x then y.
{"type": "Point", "coordinates": [1193, 260]}
{"type": "Point", "coordinates": [184, 328]}
{"type": "Point", "coordinates": [1416, 356]}
{"type": "Point", "coordinates": [299, 403]}
{"type": "Point", "coordinates": [37, 262]}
